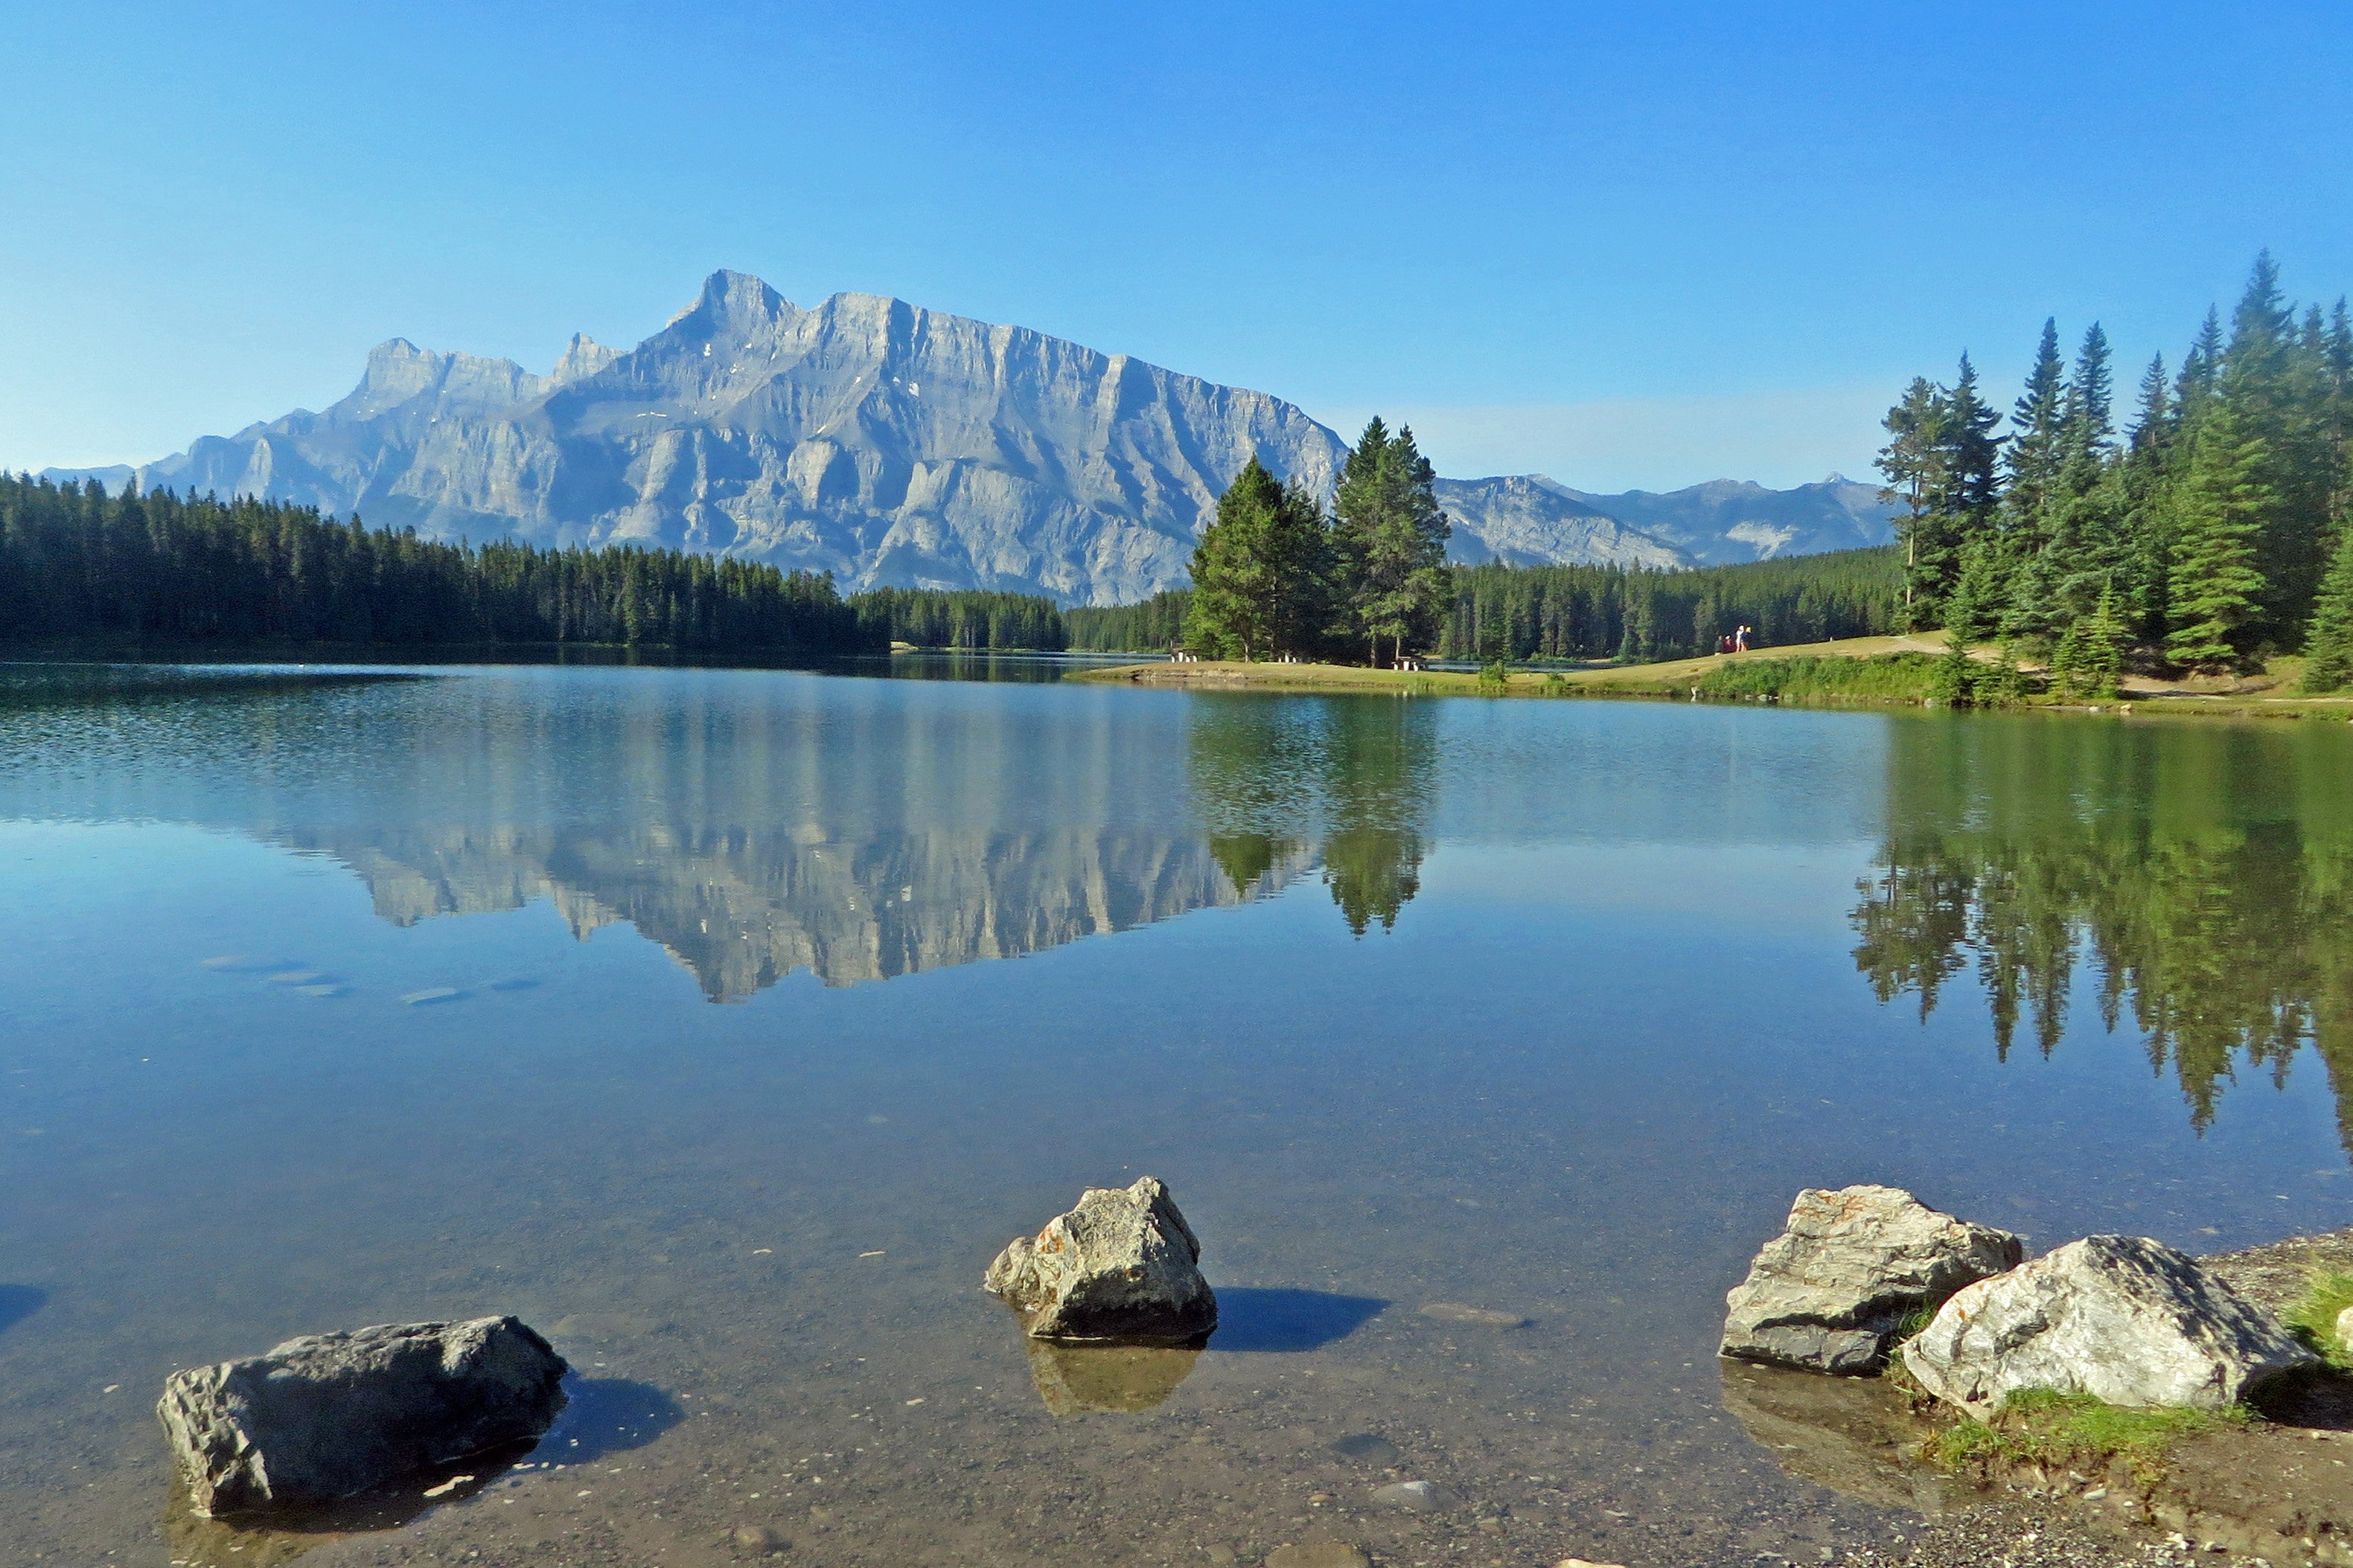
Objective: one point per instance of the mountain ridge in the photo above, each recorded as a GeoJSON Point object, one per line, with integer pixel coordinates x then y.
{"type": "Point", "coordinates": [892, 446]}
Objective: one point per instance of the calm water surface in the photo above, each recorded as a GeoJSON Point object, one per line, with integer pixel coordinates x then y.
{"type": "Point", "coordinates": [662, 1008]}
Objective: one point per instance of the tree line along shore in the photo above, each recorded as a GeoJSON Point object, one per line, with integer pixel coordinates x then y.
{"type": "Point", "coordinates": [2206, 547]}
{"type": "Point", "coordinates": [80, 565]}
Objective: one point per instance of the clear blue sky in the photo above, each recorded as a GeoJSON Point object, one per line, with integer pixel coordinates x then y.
{"type": "Point", "coordinates": [1626, 245]}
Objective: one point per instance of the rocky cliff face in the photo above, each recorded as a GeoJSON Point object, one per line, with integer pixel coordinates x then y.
{"type": "Point", "coordinates": [897, 447]}
{"type": "Point", "coordinates": [872, 438]}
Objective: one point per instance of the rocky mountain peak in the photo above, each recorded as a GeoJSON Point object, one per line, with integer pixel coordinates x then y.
{"type": "Point", "coordinates": [399, 373]}
{"type": "Point", "coordinates": [896, 446]}
{"type": "Point", "coordinates": [585, 357]}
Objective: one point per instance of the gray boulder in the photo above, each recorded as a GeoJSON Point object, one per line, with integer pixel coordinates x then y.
{"type": "Point", "coordinates": [330, 1415]}
{"type": "Point", "coordinates": [2124, 1319]}
{"type": "Point", "coordinates": [1829, 1292]}
{"type": "Point", "coordinates": [1122, 1268]}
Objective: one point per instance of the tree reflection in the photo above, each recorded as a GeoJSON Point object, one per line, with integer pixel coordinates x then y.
{"type": "Point", "coordinates": [2203, 879]}
{"type": "Point", "coordinates": [1348, 780]}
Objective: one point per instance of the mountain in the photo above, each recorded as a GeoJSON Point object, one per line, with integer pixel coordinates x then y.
{"type": "Point", "coordinates": [895, 445]}
{"type": "Point", "coordinates": [1727, 520]}
{"type": "Point", "coordinates": [885, 443]}
{"type": "Point", "coordinates": [1527, 520]}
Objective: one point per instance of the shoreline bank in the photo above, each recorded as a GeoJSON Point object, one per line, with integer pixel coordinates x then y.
{"type": "Point", "coordinates": [1885, 673]}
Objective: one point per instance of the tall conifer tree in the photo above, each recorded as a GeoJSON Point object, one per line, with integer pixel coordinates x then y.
{"type": "Point", "coordinates": [2329, 650]}
{"type": "Point", "coordinates": [1260, 571]}
{"type": "Point", "coordinates": [2037, 456]}
{"type": "Point", "coordinates": [2219, 511]}
{"type": "Point", "coordinates": [1389, 543]}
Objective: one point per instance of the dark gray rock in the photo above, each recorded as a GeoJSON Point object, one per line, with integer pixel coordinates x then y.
{"type": "Point", "coordinates": [1829, 1292]}
{"type": "Point", "coordinates": [2122, 1318]}
{"type": "Point", "coordinates": [1122, 1268]}
{"type": "Point", "coordinates": [330, 1415]}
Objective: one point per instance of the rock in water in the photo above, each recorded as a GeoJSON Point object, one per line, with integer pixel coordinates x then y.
{"type": "Point", "coordinates": [2124, 1319]}
{"type": "Point", "coordinates": [329, 1416]}
{"type": "Point", "coordinates": [1318, 1554]}
{"type": "Point", "coordinates": [1829, 1293]}
{"type": "Point", "coordinates": [1122, 1268]}
{"type": "Point", "coordinates": [1484, 1317]}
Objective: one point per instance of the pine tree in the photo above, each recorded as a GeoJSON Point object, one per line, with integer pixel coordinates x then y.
{"type": "Point", "coordinates": [1389, 543]}
{"type": "Point", "coordinates": [2091, 656]}
{"type": "Point", "coordinates": [2036, 457]}
{"type": "Point", "coordinates": [1974, 615]}
{"type": "Point", "coordinates": [1942, 464]}
{"type": "Point", "coordinates": [2271, 376]}
{"type": "Point", "coordinates": [2037, 449]}
{"type": "Point", "coordinates": [2086, 549]}
{"type": "Point", "coordinates": [2067, 660]}
{"type": "Point", "coordinates": [2199, 367]}
{"type": "Point", "coordinates": [1258, 570]}
{"type": "Point", "coordinates": [1913, 463]}
{"type": "Point", "coordinates": [2218, 516]}
{"type": "Point", "coordinates": [2328, 649]}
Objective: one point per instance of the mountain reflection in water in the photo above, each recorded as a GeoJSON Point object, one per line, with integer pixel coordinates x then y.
{"type": "Point", "coordinates": [753, 828]}
{"type": "Point", "coordinates": [2203, 874]}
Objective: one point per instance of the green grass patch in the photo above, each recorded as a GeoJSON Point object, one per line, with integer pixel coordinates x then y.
{"type": "Point", "coordinates": [2042, 1426]}
{"type": "Point", "coordinates": [2313, 1317]}
{"type": "Point", "coordinates": [1892, 676]}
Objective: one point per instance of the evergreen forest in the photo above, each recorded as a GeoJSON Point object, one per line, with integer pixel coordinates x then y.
{"type": "Point", "coordinates": [962, 618]}
{"type": "Point", "coordinates": [2207, 534]}
{"type": "Point", "coordinates": [77, 564]}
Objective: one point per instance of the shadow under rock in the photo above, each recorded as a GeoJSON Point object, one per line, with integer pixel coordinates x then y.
{"type": "Point", "coordinates": [1253, 1318]}
{"type": "Point", "coordinates": [18, 1302]}
{"type": "Point", "coordinates": [266, 1537]}
{"type": "Point", "coordinates": [2319, 1399]}
{"type": "Point", "coordinates": [608, 1415]}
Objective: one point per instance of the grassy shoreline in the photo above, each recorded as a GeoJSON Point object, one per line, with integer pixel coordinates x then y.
{"type": "Point", "coordinates": [1882, 671]}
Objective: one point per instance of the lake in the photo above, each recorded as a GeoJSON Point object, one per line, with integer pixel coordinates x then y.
{"type": "Point", "coordinates": [725, 1024]}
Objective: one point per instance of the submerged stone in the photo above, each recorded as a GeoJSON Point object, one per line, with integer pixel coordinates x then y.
{"type": "Point", "coordinates": [1318, 1555]}
{"type": "Point", "coordinates": [2124, 1319]}
{"type": "Point", "coordinates": [1480, 1317]}
{"type": "Point", "coordinates": [1369, 1447]}
{"type": "Point", "coordinates": [327, 1416]}
{"type": "Point", "coordinates": [1829, 1292]}
{"type": "Point", "coordinates": [1122, 1268]}
{"type": "Point", "coordinates": [1421, 1497]}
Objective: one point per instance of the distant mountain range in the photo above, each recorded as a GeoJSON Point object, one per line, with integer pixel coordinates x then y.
{"type": "Point", "coordinates": [898, 447]}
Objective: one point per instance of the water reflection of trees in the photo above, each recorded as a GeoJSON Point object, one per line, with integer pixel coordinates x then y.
{"type": "Point", "coordinates": [2200, 878]}
{"type": "Point", "coordinates": [1346, 780]}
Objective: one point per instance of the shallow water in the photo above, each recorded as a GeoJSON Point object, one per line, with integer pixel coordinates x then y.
{"type": "Point", "coordinates": [657, 1007]}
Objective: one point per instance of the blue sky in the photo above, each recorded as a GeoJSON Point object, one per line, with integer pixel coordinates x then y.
{"type": "Point", "coordinates": [1641, 244]}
